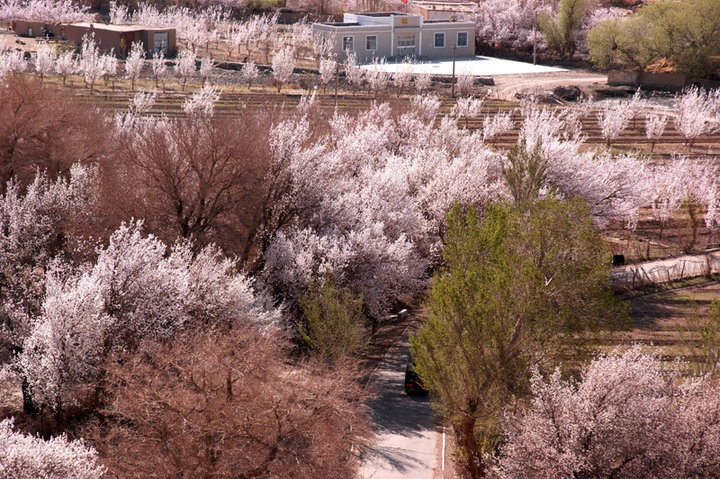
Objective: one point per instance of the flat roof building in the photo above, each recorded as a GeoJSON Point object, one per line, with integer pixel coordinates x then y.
{"type": "Point", "coordinates": [443, 10]}
{"type": "Point", "coordinates": [394, 35]}
{"type": "Point", "coordinates": [117, 38]}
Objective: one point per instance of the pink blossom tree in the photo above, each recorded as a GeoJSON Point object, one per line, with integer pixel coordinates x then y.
{"type": "Point", "coordinates": [627, 416]}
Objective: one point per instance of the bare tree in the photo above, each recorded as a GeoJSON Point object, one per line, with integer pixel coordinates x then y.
{"type": "Point", "coordinates": [42, 128]}
{"type": "Point", "coordinates": [191, 177]}
{"type": "Point", "coordinates": [227, 405]}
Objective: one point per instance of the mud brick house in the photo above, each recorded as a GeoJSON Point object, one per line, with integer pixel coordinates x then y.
{"type": "Point", "coordinates": [108, 37]}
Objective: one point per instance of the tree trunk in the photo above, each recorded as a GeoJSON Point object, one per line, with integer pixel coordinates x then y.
{"type": "Point", "coordinates": [466, 437]}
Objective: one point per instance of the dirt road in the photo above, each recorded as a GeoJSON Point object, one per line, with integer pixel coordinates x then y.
{"type": "Point", "coordinates": [506, 86]}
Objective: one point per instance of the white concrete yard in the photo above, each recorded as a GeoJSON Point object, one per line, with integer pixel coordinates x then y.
{"type": "Point", "coordinates": [478, 66]}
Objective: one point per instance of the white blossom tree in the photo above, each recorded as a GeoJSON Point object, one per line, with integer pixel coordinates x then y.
{"type": "Point", "coordinates": [695, 110]}
{"type": "Point", "coordinates": [142, 102]}
{"type": "Point", "coordinates": [44, 60]}
{"type": "Point", "coordinates": [366, 204]}
{"type": "Point", "coordinates": [109, 66]}
{"type": "Point", "coordinates": [497, 125]}
{"type": "Point", "coordinates": [134, 63]}
{"type": "Point", "coordinates": [118, 13]}
{"type": "Point", "coordinates": [91, 63]}
{"type": "Point", "coordinates": [202, 102]}
{"type": "Point", "coordinates": [422, 82]}
{"type": "Point", "coordinates": [250, 73]}
{"type": "Point", "coordinates": [36, 225]}
{"type": "Point", "coordinates": [66, 65]}
{"type": "Point", "coordinates": [467, 108]}
{"type": "Point", "coordinates": [135, 289]}
{"type": "Point", "coordinates": [185, 66]}
{"type": "Point", "coordinates": [464, 82]}
{"type": "Point", "coordinates": [654, 128]}
{"type": "Point", "coordinates": [206, 68]}
{"type": "Point", "coordinates": [327, 68]}
{"type": "Point", "coordinates": [403, 76]}
{"type": "Point", "coordinates": [159, 68]}
{"type": "Point", "coordinates": [24, 456]}
{"type": "Point", "coordinates": [377, 75]}
{"type": "Point", "coordinates": [283, 64]}
{"type": "Point", "coordinates": [353, 73]}
{"type": "Point", "coordinates": [11, 62]}
{"type": "Point", "coordinates": [613, 119]}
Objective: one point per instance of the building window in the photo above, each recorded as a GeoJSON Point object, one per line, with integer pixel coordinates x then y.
{"type": "Point", "coordinates": [406, 45]}
{"type": "Point", "coordinates": [439, 40]}
{"type": "Point", "coordinates": [371, 43]}
{"type": "Point", "coordinates": [462, 39]}
{"type": "Point", "coordinates": [348, 44]}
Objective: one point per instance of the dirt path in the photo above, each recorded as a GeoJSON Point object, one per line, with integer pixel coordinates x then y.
{"type": "Point", "coordinates": [506, 86]}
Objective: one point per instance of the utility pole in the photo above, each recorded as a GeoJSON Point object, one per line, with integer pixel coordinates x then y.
{"type": "Point", "coordinates": [452, 81]}
{"type": "Point", "coordinates": [534, 46]}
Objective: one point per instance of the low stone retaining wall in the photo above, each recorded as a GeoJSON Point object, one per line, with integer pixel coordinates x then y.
{"type": "Point", "coordinates": [657, 81]}
{"type": "Point", "coordinates": [656, 272]}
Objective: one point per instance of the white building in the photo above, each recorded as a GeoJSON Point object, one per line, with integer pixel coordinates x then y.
{"type": "Point", "coordinates": [394, 35]}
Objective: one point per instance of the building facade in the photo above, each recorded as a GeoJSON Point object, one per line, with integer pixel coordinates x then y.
{"type": "Point", "coordinates": [395, 35]}
{"type": "Point", "coordinates": [116, 38]}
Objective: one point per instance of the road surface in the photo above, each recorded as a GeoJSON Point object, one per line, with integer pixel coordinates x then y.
{"type": "Point", "coordinates": [409, 442]}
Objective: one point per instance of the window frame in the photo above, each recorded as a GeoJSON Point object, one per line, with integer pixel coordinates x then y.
{"type": "Point", "coordinates": [435, 39]}
{"type": "Point", "coordinates": [367, 37]}
{"type": "Point", "coordinates": [457, 39]}
{"type": "Point", "coordinates": [352, 43]}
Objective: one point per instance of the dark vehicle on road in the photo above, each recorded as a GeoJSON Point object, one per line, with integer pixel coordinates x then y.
{"type": "Point", "coordinates": [413, 383]}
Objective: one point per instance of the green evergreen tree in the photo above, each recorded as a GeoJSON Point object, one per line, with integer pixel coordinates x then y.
{"type": "Point", "coordinates": [334, 321]}
{"type": "Point", "coordinates": [519, 288]}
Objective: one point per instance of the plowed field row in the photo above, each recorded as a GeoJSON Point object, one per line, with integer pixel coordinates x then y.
{"type": "Point", "coordinates": [231, 104]}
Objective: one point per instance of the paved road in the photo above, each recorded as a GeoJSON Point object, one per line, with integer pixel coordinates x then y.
{"type": "Point", "coordinates": [408, 440]}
